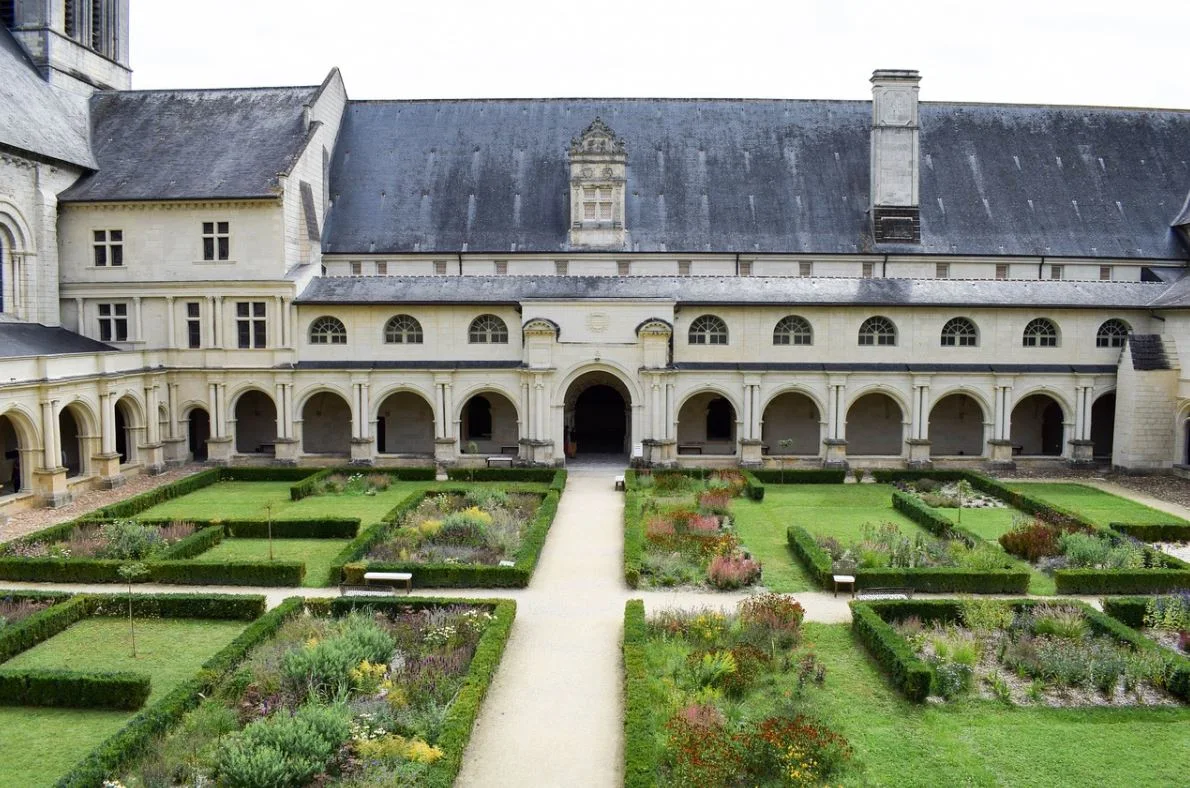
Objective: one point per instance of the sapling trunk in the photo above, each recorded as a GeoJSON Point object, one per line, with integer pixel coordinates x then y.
{"type": "Point", "coordinates": [131, 623]}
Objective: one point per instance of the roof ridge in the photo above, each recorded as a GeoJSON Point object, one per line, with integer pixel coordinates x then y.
{"type": "Point", "coordinates": [204, 90]}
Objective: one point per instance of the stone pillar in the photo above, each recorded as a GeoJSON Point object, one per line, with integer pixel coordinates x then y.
{"type": "Point", "coordinates": [1082, 448]}
{"type": "Point", "coordinates": [362, 447]}
{"type": "Point", "coordinates": [919, 426]}
{"type": "Point", "coordinates": [750, 445]}
{"type": "Point", "coordinates": [49, 481]}
{"type": "Point", "coordinates": [445, 447]}
{"type": "Point", "coordinates": [106, 464]}
{"type": "Point", "coordinates": [219, 445]}
{"type": "Point", "coordinates": [1000, 447]}
{"type": "Point", "coordinates": [279, 329]}
{"type": "Point", "coordinates": [835, 445]}
{"type": "Point", "coordinates": [175, 441]}
{"type": "Point", "coordinates": [138, 316]}
{"type": "Point", "coordinates": [171, 339]}
{"type": "Point", "coordinates": [152, 451]}
{"type": "Point", "coordinates": [287, 445]}
{"type": "Point", "coordinates": [214, 342]}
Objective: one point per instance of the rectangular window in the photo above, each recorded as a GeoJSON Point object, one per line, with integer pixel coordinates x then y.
{"type": "Point", "coordinates": [745, 268]}
{"type": "Point", "coordinates": [805, 269]}
{"type": "Point", "coordinates": [109, 248]}
{"type": "Point", "coordinates": [357, 268]}
{"type": "Point", "coordinates": [216, 240]}
{"type": "Point", "coordinates": [597, 203]}
{"type": "Point", "coordinates": [623, 267]}
{"type": "Point", "coordinates": [251, 328]}
{"type": "Point", "coordinates": [1055, 272]}
{"type": "Point", "coordinates": [1105, 273]}
{"type": "Point", "coordinates": [683, 268]}
{"type": "Point", "coordinates": [942, 271]}
{"type": "Point", "coordinates": [382, 268]}
{"type": "Point", "coordinates": [868, 270]}
{"type": "Point", "coordinates": [113, 322]}
{"type": "Point", "coordinates": [439, 268]}
{"type": "Point", "coordinates": [501, 267]}
{"type": "Point", "coordinates": [561, 267]}
{"type": "Point", "coordinates": [1001, 271]}
{"type": "Point", "coordinates": [193, 324]}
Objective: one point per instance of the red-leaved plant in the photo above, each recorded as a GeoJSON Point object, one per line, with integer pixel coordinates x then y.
{"type": "Point", "coordinates": [729, 572]}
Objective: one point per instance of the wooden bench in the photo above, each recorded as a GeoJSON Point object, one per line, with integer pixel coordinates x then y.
{"type": "Point", "coordinates": [619, 483]}
{"type": "Point", "coordinates": [380, 583]}
{"type": "Point", "coordinates": [502, 461]}
{"type": "Point", "coordinates": [875, 594]}
{"type": "Point", "coordinates": [843, 573]}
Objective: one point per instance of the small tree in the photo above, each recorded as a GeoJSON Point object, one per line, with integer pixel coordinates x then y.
{"type": "Point", "coordinates": [269, 512]}
{"type": "Point", "coordinates": [785, 444]}
{"type": "Point", "coordinates": [131, 572]}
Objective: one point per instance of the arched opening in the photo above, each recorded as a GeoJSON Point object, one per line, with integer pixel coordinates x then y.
{"type": "Point", "coordinates": [874, 426]}
{"type": "Point", "coordinates": [405, 425]}
{"type": "Point", "coordinates": [1037, 427]}
{"type": "Point", "coordinates": [256, 423]}
{"type": "Point", "coordinates": [791, 425]}
{"type": "Point", "coordinates": [1103, 425]}
{"type": "Point", "coordinates": [326, 424]}
{"type": "Point", "coordinates": [597, 415]}
{"type": "Point", "coordinates": [126, 428]}
{"type": "Point", "coordinates": [198, 431]}
{"type": "Point", "coordinates": [706, 425]}
{"type": "Point", "coordinates": [489, 425]}
{"type": "Point", "coordinates": [74, 450]}
{"type": "Point", "coordinates": [16, 472]}
{"type": "Point", "coordinates": [956, 427]}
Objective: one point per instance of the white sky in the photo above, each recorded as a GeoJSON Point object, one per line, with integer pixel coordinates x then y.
{"type": "Point", "coordinates": [1125, 53]}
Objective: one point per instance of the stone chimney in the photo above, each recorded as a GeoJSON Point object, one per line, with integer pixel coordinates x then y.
{"type": "Point", "coordinates": [896, 157]}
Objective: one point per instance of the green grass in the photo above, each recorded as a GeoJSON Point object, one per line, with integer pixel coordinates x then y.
{"type": "Point", "coordinates": [1099, 507]}
{"type": "Point", "coordinates": [985, 743]}
{"type": "Point", "coordinates": [40, 744]}
{"type": "Point", "coordinates": [316, 554]}
{"type": "Point", "coordinates": [248, 501]}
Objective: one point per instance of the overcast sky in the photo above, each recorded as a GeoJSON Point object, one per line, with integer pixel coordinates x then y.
{"type": "Point", "coordinates": [1124, 53]}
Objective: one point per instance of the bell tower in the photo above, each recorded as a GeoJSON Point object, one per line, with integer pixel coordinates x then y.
{"type": "Point", "coordinates": [79, 46]}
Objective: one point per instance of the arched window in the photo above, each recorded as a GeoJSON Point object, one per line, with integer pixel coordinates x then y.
{"type": "Point", "coordinates": [959, 332]}
{"type": "Point", "coordinates": [793, 330]}
{"type": "Point", "coordinates": [328, 330]}
{"type": "Point", "coordinates": [487, 330]}
{"type": "Point", "coordinates": [708, 330]}
{"type": "Point", "coordinates": [403, 330]}
{"type": "Point", "coordinates": [877, 331]}
{"type": "Point", "coordinates": [1112, 333]}
{"type": "Point", "coordinates": [1040, 332]}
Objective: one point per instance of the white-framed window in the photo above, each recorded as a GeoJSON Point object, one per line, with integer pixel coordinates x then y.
{"type": "Point", "coordinates": [683, 268]}
{"type": "Point", "coordinates": [1113, 333]}
{"type": "Point", "coordinates": [328, 330]}
{"type": "Point", "coordinates": [1055, 272]}
{"type": "Point", "coordinates": [357, 268]}
{"type": "Point", "coordinates": [597, 203]}
{"type": "Point", "coordinates": [868, 270]}
{"type": "Point", "coordinates": [251, 324]}
{"type": "Point", "coordinates": [1001, 270]}
{"type": "Point", "coordinates": [708, 330]}
{"type": "Point", "coordinates": [113, 322]}
{"type": "Point", "coordinates": [487, 330]}
{"type": "Point", "coordinates": [793, 330]}
{"type": "Point", "coordinates": [193, 324]}
{"type": "Point", "coordinates": [877, 331]}
{"type": "Point", "coordinates": [805, 269]}
{"type": "Point", "coordinates": [1105, 273]}
{"type": "Point", "coordinates": [216, 240]}
{"type": "Point", "coordinates": [942, 271]}
{"type": "Point", "coordinates": [960, 332]}
{"type": "Point", "coordinates": [1040, 332]}
{"type": "Point", "coordinates": [108, 248]}
{"type": "Point", "coordinates": [403, 330]}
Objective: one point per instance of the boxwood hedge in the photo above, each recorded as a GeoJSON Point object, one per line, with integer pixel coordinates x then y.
{"type": "Point", "coordinates": [640, 737]}
{"type": "Point", "coordinates": [77, 689]}
{"type": "Point", "coordinates": [801, 476]}
{"type": "Point", "coordinates": [1155, 532]}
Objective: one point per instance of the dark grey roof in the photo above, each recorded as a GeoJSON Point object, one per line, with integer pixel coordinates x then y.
{"type": "Point", "coordinates": [32, 117]}
{"type": "Point", "coordinates": [193, 144]}
{"type": "Point", "coordinates": [952, 369]}
{"type": "Point", "coordinates": [1148, 352]}
{"type": "Point", "coordinates": [35, 339]}
{"type": "Point", "coordinates": [758, 175]}
{"type": "Point", "coordinates": [822, 291]}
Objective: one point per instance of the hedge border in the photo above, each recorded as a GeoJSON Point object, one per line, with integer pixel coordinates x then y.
{"type": "Point", "coordinates": [634, 534]}
{"type": "Point", "coordinates": [555, 478]}
{"type": "Point", "coordinates": [444, 575]}
{"type": "Point", "coordinates": [77, 689]}
{"type": "Point", "coordinates": [640, 752]}
{"type": "Point", "coordinates": [305, 487]}
{"type": "Point", "coordinates": [134, 738]}
{"type": "Point", "coordinates": [1154, 532]}
{"type": "Point", "coordinates": [801, 475]}
{"type": "Point", "coordinates": [911, 675]}
{"type": "Point", "coordinates": [460, 719]}
{"type": "Point", "coordinates": [181, 571]}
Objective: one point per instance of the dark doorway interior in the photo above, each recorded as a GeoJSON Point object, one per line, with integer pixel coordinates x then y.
{"type": "Point", "coordinates": [1051, 430]}
{"type": "Point", "coordinates": [200, 430]}
{"type": "Point", "coordinates": [1103, 425]}
{"type": "Point", "coordinates": [121, 434]}
{"type": "Point", "coordinates": [600, 421]}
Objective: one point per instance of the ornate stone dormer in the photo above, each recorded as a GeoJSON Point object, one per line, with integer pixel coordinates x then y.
{"type": "Point", "coordinates": [598, 177]}
{"type": "Point", "coordinates": [896, 157]}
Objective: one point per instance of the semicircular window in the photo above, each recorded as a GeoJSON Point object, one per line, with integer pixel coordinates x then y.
{"type": "Point", "coordinates": [328, 330]}
{"type": "Point", "coordinates": [403, 330]}
{"type": "Point", "coordinates": [487, 330]}
{"type": "Point", "coordinates": [959, 332]}
{"type": "Point", "coordinates": [1113, 333]}
{"type": "Point", "coordinates": [793, 330]}
{"type": "Point", "coordinates": [878, 331]}
{"type": "Point", "coordinates": [1040, 332]}
{"type": "Point", "coordinates": [708, 330]}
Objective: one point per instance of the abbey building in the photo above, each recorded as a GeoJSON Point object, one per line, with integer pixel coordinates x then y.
{"type": "Point", "coordinates": [284, 275]}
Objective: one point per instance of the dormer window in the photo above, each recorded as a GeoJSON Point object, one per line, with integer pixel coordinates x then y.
{"type": "Point", "coordinates": [598, 176]}
{"type": "Point", "coordinates": [597, 203]}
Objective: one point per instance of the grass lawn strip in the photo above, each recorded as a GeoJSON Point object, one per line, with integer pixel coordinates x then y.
{"type": "Point", "coordinates": [40, 744]}
{"type": "Point", "coordinates": [317, 554]}
{"type": "Point", "coordinates": [1101, 508]}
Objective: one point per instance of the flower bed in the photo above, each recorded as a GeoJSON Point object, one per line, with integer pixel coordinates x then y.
{"type": "Point", "coordinates": [384, 693]}
{"type": "Point", "coordinates": [122, 539]}
{"type": "Point", "coordinates": [884, 546]}
{"type": "Point", "coordinates": [949, 494]}
{"type": "Point", "coordinates": [715, 700]}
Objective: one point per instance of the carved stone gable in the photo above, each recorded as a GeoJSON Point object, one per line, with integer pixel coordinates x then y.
{"type": "Point", "coordinates": [597, 138]}
{"type": "Point", "coordinates": [598, 180]}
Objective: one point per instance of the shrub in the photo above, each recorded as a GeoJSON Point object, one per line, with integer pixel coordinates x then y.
{"type": "Point", "coordinates": [1032, 540]}
{"type": "Point", "coordinates": [815, 476]}
{"type": "Point", "coordinates": [282, 750]}
{"type": "Point", "coordinates": [985, 615]}
{"type": "Point", "coordinates": [1059, 621]}
{"type": "Point", "coordinates": [731, 572]}
{"type": "Point", "coordinates": [1169, 613]}
{"type": "Point", "coordinates": [128, 539]}
{"type": "Point", "coordinates": [74, 689]}
{"type": "Point", "coordinates": [776, 617]}
{"type": "Point", "coordinates": [323, 669]}
{"type": "Point", "coordinates": [1120, 581]}
{"type": "Point", "coordinates": [701, 754]}
{"type": "Point", "coordinates": [794, 751]}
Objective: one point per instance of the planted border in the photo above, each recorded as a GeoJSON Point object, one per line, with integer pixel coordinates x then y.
{"type": "Point", "coordinates": [800, 476]}
{"type": "Point", "coordinates": [640, 738]}
{"type": "Point", "coordinates": [308, 484]}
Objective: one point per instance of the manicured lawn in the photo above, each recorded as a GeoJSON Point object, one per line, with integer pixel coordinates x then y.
{"type": "Point", "coordinates": [39, 744]}
{"type": "Point", "coordinates": [985, 743]}
{"type": "Point", "coordinates": [1097, 506]}
{"type": "Point", "coordinates": [316, 554]}
{"type": "Point", "coordinates": [248, 501]}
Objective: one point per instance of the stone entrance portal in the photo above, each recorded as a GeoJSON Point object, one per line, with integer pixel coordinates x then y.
{"type": "Point", "coordinates": [598, 416]}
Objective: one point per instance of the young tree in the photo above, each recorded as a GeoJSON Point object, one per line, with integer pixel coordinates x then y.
{"type": "Point", "coordinates": [786, 444]}
{"type": "Point", "coordinates": [131, 572]}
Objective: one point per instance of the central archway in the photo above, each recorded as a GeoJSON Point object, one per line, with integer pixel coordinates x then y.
{"type": "Point", "coordinates": [598, 415]}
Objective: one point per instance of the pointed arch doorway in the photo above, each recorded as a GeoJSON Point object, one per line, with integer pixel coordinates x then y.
{"type": "Point", "coordinates": [598, 416]}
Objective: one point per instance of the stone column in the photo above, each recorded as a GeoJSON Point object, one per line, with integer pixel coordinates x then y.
{"type": "Point", "coordinates": [445, 445]}
{"type": "Point", "coordinates": [287, 447]}
{"type": "Point", "coordinates": [835, 445]}
{"type": "Point", "coordinates": [919, 435]}
{"type": "Point", "coordinates": [213, 320]}
{"type": "Point", "coordinates": [362, 447]}
{"type": "Point", "coordinates": [219, 446]}
{"type": "Point", "coordinates": [139, 317]}
{"type": "Point", "coordinates": [106, 464]}
{"type": "Point", "coordinates": [175, 439]}
{"type": "Point", "coordinates": [49, 481]}
{"type": "Point", "coordinates": [1082, 448]}
{"type": "Point", "coordinates": [1000, 447]}
{"type": "Point", "coordinates": [171, 339]}
{"type": "Point", "coordinates": [750, 445]}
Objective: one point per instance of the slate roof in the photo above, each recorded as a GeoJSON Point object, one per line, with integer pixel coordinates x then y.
{"type": "Point", "coordinates": [35, 339]}
{"type": "Point", "coordinates": [1148, 352]}
{"type": "Point", "coordinates": [728, 290]}
{"type": "Point", "coordinates": [32, 117]}
{"type": "Point", "coordinates": [192, 144]}
{"type": "Point", "coordinates": [759, 176]}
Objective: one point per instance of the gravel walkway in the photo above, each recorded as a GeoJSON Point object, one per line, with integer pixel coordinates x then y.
{"type": "Point", "coordinates": [31, 520]}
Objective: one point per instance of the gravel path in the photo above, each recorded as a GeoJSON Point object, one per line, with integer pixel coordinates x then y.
{"type": "Point", "coordinates": [31, 520]}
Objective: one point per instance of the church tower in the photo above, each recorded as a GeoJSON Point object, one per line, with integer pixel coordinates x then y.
{"type": "Point", "coordinates": [79, 46]}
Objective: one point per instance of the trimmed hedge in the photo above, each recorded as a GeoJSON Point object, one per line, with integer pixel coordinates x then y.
{"type": "Point", "coordinates": [801, 476]}
{"type": "Point", "coordinates": [912, 507]}
{"type": "Point", "coordinates": [755, 487]}
{"type": "Point", "coordinates": [272, 473]}
{"type": "Point", "coordinates": [926, 579]}
{"type": "Point", "coordinates": [325, 528]}
{"type": "Point", "coordinates": [460, 718]}
{"type": "Point", "coordinates": [1129, 610]}
{"type": "Point", "coordinates": [77, 689]}
{"type": "Point", "coordinates": [1121, 581]}
{"type": "Point", "coordinates": [309, 484]}
{"type": "Point", "coordinates": [203, 539]}
{"type": "Point", "coordinates": [185, 572]}
{"type": "Point", "coordinates": [640, 737]}
{"type": "Point", "coordinates": [147, 500]}
{"type": "Point", "coordinates": [42, 625]}
{"type": "Point", "coordinates": [634, 533]}
{"type": "Point", "coordinates": [533, 475]}
{"type": "Point", "coordinates": [135, 737]}
{"type": "Point", "coordinates": [219, 607]}
{"type": "Point", "coordinates": [1155, 532]}
{"type": "Point", "coordinates": [908, 673]}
